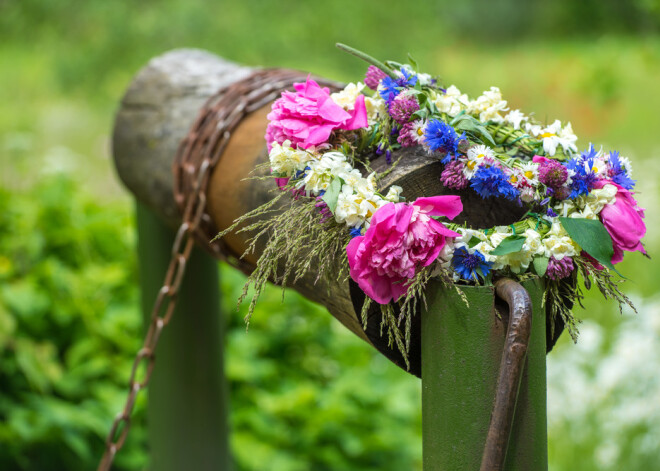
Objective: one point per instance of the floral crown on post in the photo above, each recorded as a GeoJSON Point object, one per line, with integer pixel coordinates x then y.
{"type": "Point", "coordinates": [581, 214]}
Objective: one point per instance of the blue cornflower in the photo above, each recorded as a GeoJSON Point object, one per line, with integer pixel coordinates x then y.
{"type": "Point", "coordinates": [470, 265]}
{"type": "Point", "coordinates": [390, 88]}
{"type": "Point", "coordinates": [356, 231]}
{"type": "Point", "coordinates": [584, 177]}
{"type": "Point", "coordinates": [441, 137]}
{"type": "Point", "coordinates": [617, 172]}
{"type": "Point", "coordinates": [491, 181]}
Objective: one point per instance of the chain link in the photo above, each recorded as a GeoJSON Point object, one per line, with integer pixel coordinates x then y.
{"type": "Point", "coordinates": [196, 158]}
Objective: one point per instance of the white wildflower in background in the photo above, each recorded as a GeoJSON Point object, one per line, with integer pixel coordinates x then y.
{"type": "Point", "coordinates": [515, 118]}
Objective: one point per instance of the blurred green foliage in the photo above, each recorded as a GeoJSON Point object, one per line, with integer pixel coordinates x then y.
{"type": "Point", "coordinates": [69, 320]}
{"type": "Point", "coordinates": [68, 323]}
{"type": "Point", "coordinates": [69, 326]}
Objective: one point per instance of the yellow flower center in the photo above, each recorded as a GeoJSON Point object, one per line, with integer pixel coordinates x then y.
{"type": "Point", "coordinates": [513, 179]}
{"type": "Point", "coordinates": [594, 169]}
{"type": "Point", "coordinates": [471, 164]}
{"type": "Point", "coordinates": [480, 156]}
{"type": "Point", "coordinates": [420, 132]}
{"type": "Point", "coordinates": [547, 134]}
{"type": "Point", "coordinates": [529, 174]}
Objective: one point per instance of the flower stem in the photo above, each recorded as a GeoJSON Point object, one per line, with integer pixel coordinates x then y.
{"type": "Point", "coordinates": [367, 58]}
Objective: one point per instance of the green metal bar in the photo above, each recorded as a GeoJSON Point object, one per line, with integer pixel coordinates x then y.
{"type": "Point", "coordinates": [187, 409]}
{"type": "Point", "coordinates": [461, 354]}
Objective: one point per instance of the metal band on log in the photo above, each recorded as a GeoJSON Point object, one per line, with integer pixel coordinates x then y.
{"type": "Point", "coordinates": [161, 107]}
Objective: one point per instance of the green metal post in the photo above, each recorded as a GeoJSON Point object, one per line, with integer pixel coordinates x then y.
{"type": "Point", "coordinates": [461, 353]}
{"type": "Point", "coordinates": [187, 410]}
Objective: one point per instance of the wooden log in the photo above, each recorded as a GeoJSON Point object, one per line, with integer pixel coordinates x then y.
{"type": "Point", "coordinates": [158, 110]}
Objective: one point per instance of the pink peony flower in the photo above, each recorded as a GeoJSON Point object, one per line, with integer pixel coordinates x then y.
{"type": "Point", "coordinates": [623, 219]}
{"type": "Point", "coordinates": [401, 238]}
{"type": "Point", "coordinates": [308, 116]}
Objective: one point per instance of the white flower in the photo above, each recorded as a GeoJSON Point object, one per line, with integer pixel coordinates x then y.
{"type": "Point", "coordinates": [533, 242]}
{"type": "Point", "coordinates": [285, 160]}
{"type": "Point", "coordinates": [550, 137]}
{"type": "Point", "coordinates": [489, 106]}
{"type": "Point", "coordinates": [567, 138]}
{"type": "Point", "coordinates": [321, 172]}
{"type": "Point", "coordinates": [518, 262]}
{"type": "Point", "coordinates": [376, 108]}
{"type": "Point", "coordinates": [554, 135]}
{"type": "Point", "coordinates": [559, 247]}
{"type": "Point", "coordinates": [558, 244]}
{"type": "Point", "coordinates": [417, 130]}
{"type": "Point", "coordinates": [475, 157]}
{"type": "Point", "coordinates": [346, 97]}
{"type": "Point", "coordinates": [587, 206]}
{"type": "Point", "coordinates": [515, 118]}
{"type": "Point", "coordinates": [533, 129]}
{"type": "Point", "coordinates": [466, 235]}
{"type": "Point", "coordinates": [348, 208]}
{"type": "Point", "coordinates": [598, 166]}
{"type": "Point", "coordinates": [625, 164]}
{"type": "Point", "coordinates": [394, 194]}
{"type": "Point", "coordinates": [451, 102]}
{"type": "Point", "coordinates": [530, 171]}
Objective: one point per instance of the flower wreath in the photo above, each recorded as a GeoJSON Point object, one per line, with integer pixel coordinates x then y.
{"type": "Point", "coordinates": [581, 214]}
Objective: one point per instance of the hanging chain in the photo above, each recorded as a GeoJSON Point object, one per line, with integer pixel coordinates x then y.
{"type": "Point", "coordinates": [197, 156]}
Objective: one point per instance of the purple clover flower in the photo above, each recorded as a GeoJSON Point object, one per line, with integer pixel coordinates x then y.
{"type": "Point", "coordinates": [552, 174]}
{"type": "Point", "coordinates": [452, 176]}
{"type": "Point", "coordinates": [373, 76]}
{"type": "Point", "coordinates": [407, 136]}
{"type": "Point", "coordinates": [402, 108]}
{"type": "Point", "coordinates": [558, 269]}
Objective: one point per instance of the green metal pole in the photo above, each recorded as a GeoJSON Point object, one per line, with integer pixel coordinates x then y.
{"type": "Point", "coordinates": [187, 410]}
{"type": "Point", "coordinates": [461, 353]}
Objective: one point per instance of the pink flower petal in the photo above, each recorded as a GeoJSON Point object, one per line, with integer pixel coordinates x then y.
{"type": "Point", "coordinates": [444, 205]}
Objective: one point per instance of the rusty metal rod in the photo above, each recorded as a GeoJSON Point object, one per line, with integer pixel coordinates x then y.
{"type": "Point", "coordinates": [511, 370]}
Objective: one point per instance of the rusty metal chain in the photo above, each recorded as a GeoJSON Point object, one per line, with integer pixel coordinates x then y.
{"type": "Point", "coordinates": [197, 156]}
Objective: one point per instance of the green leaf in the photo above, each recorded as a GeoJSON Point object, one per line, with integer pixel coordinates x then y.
{"type": "Point", "coordinates": [591, 235]}
{"type": "Point", "coordinates": [541, 265]}
{"type": "Point", "coordinates": [471, 124]}
{"type": "Point", "coordinates": [421, 114]}
{"type": "Point", "coordinates": [332, 194]}
{"type": "Point", "coordinates": [513, 243]}
{"type": "Point", "coordinates": [459, 117]}
{"type": "Point", "coordinates": [474, 241]}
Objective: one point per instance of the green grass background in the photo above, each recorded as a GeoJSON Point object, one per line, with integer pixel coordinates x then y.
{"type": "Point", "coordinates": [69, 319]}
